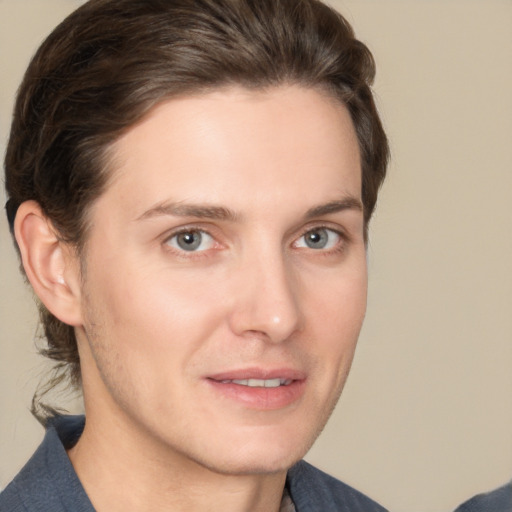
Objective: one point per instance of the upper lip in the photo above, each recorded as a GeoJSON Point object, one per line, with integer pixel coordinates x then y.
{"type": "Point", "coordinates": [259, 373]}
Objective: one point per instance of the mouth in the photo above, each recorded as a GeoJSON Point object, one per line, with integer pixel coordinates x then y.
{"type": "Point", "coordinates": [259, 383]}
{"type": "Point", "coordinates": [259, 389]}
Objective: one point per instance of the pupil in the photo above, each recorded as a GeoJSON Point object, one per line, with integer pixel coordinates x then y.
{"type": "Point", "coordinates": [189, 241]}
{"type": "Point", "coordinates": [317, 239]}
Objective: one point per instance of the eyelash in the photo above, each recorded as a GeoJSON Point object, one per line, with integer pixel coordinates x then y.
{"type": "Point", "coordinates": [188, 254]}
{"type": "Point", "coordinates": [339, 247]}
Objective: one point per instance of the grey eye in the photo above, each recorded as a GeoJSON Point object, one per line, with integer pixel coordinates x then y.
{"type": "Point", "coordinates": [316, 239]}
{"type": "Point", "coordinates": [319, 238]}
{"type": "Point", "coordinates": [191, 241]}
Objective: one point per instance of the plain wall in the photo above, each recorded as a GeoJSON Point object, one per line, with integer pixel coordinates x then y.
{"type": "Point", "coordinates": [425, 420]}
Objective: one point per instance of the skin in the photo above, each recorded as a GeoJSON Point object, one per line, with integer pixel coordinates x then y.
{"type": "Point", "coordinates": [160, 328]}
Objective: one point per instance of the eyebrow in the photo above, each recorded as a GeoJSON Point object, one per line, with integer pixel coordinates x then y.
{"type": "Point", "coordinates": [226, 214]}
{"type": "Point", "coordinates": [191, 210]}
{"type": "Point", "coordinates": [347, 203]}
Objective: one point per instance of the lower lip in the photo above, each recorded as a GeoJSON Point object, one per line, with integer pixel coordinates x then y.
{"type": "Point", "coordinates": [258, 397]}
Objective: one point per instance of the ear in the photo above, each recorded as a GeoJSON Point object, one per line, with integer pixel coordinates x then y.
{"type": "Point", "coordinates": [51, 265]}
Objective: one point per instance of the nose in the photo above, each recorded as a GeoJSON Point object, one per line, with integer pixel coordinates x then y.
{"type": "Point", "coordinates": [266, 301]}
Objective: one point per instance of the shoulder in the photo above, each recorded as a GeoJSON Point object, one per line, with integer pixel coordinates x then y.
{"type": "Point", "coordinates": [48, 481]}
{"type": "Point", "coordinates": [27, 492]}
{"type": "Point", "coordinates": [312, 490]}
{"type": "Point", "coordinates": [10, 500]}
{"type": "Point", "coordinates": [499, 500]}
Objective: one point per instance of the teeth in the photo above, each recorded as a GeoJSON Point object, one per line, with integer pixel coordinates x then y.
{"type": "Point", "coordinates": [260, 383]}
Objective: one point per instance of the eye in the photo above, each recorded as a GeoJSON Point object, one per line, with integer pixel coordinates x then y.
{"type": "Point", "coordinates": [192, 240]}
{"type": "Point", "coordinates": [319, 238]}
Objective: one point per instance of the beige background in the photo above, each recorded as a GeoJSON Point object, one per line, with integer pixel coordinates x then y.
{"type": "Point", "coordinates": [426, 418]}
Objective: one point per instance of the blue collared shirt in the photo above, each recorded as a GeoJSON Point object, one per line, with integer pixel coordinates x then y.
{"type": "Point", "coordinates": [48, 482]}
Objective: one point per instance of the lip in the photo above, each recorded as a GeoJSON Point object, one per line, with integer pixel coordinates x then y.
{"type": "Point", "coordinates": [259, 398]}
{"type": "Point", "coordinates": [259, 373]}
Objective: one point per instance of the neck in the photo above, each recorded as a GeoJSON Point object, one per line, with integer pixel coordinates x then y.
{"type": "Point", "coordinates": [121, 471]}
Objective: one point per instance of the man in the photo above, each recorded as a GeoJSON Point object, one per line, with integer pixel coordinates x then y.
{"type": "Point", "coordinates": [190, 185]}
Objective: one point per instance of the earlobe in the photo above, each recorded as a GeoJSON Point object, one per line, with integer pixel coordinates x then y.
{"type": "Point", "coordinates": [50, 265]}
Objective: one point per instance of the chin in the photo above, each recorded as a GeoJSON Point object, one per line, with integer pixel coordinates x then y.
{"type": "Point", "coordinates": [258, 465]}
{"type": "Point", "coordinates": [267, 456]}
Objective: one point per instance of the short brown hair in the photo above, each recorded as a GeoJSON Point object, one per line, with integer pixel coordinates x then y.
{"type": "Point", "coordinates": [111, 61]}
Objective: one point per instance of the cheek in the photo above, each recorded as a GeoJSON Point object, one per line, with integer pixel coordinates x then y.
{"type": "Point", "coordinates": [341, 305]}
{"type": "Point", "coordinates": [336, 317]}
{"type": "Point", "coordinates": [145, 335]}
{"type": "Point", "coordinates": [152, 314]}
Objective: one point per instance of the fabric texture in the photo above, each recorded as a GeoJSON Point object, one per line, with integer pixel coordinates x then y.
{"type": "Point", "coordinates": [499, 500]}
{"type": "Point", "coordinates": [313, 490]}
{"type": "Point", "coordinates": [286, 502]}
{"type": "Point", "coordinates": [48, 482]}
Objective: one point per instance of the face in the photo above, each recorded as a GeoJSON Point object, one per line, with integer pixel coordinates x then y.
{"type": "Point", "coordinates": [224, 280]}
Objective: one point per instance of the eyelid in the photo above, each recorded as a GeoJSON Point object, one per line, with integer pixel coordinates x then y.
{"type": "Point", "coordinates": [338, 230]}
{"type": "Point", "coordinates": [186, 228]}
{"type": "Point", "coordinates": [211, 231]}
{"type": "Point", "coordinates": [205, 239]}
{"type": "Point", "coordinates": [174, 232]}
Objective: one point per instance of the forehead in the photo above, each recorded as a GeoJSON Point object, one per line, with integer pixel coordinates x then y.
{"type": "Point", "coordinates": [243, 146]}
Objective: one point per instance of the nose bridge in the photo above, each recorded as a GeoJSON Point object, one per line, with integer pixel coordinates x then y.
{"type": "Point", "coordinates": [266, 301]}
